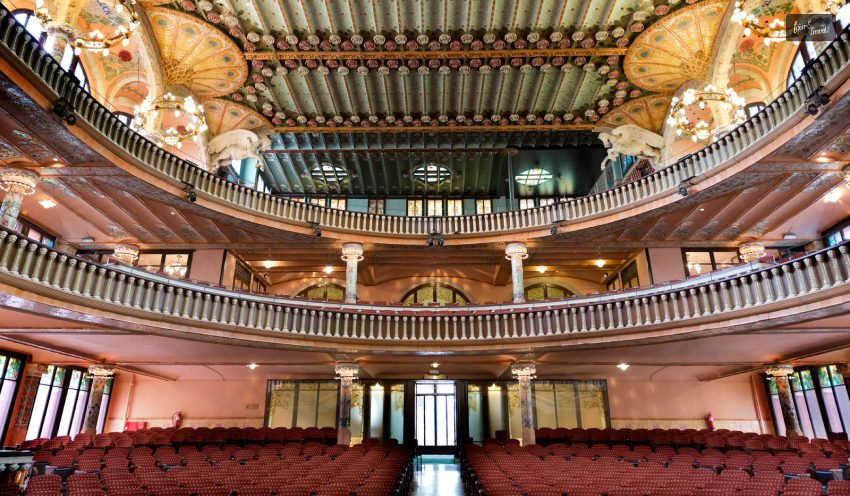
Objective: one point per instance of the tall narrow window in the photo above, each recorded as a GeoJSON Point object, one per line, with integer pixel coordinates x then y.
{"type": "Point", "coordinates": [70, 403]}
{"type": "Point", "coordinates": [40, 404]}
{"type": "Point", "coordinates": [547, 201]}
{"type": "Point", "coordinates": [80, 408]}
{"type": "Point", "coordinates": [526, 203]}
{"type": "Point", "coordinates": [52, 410]}
{"type": "Point", "coordinates": [454, 207]}
{"type": "Point", "coordinates": [435, 208]}
{"type": "Point", "coordinates": [802, 406]}
{"type": "Point", "coordinates": [830, 402]}
{"type": "Point", "coordinates": [483, 206]}
{"type": "Point", "coordinates": [376, 207]}
{"type": "Point", "coordinates": [10, 372]}
{"type": "Point", "coordinates": [104, 405]}
{"type": "Point", "coordinates": [808, 387]}
{"type": "Point", "coordinates": [338, 203]}
{"type": "Point", "coordinates": [414, 207]}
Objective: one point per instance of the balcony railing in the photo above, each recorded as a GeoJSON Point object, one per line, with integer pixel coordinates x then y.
{"type": "Point", "coordinates": [15, 41]}
{"type": "Point", "coordinates": [730, 294]}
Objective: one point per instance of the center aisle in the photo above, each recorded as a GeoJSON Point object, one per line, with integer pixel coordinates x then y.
{"type": "Point", "coordinates": [437, 477]}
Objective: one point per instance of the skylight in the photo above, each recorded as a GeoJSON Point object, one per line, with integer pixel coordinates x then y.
{"type": "Point", "coordinates": [432, 173]}
{"type": "Point", "coordinates": [534, 177]}
{"type": "Point", "coordinates": [329, 173]}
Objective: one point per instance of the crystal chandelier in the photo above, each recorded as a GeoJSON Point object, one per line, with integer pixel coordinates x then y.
{"type": "Point", "coordinates": [176, 268]}
{"type": "Point", "coordinates": [96, 40]}
{"type": "Point", "coordinates": [775, 31]}
{"type": "Point", "coordinates": [728, 100]}
{"type": "Point", "coordinates": [149, 109]}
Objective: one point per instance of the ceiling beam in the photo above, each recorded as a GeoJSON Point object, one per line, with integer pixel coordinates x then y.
{"type": "Point", "coordinates": [503, 273]}
{"type": "Point", "coordinates": [427, 54]}
{"type": "Point", "coordinates": [366, 272]}
{"type": "Point", "coordinates": [428, 129]}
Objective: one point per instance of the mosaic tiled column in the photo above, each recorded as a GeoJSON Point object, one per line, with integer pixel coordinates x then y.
{"type": "Point", "coordinates": [60, 34]}
{"type": "Point", "coordinates": [346, 373]}
{"type": "Point", "coordinates": [17, 183]}
{"type": "Point", "coordinates": [524, 373]}
{"type": "Point", "coordinates": [516, 253]}
{"type": "Point", "coordinates": [102, 378]}
{"type": "Point", "coordinates": [780, 375]}
{"type": "Point", "coordinates": [23, 409]}
{"type": "Point", "coordinates": [126, 253]}
{"type": "Point", "coordinates": [351, 253]}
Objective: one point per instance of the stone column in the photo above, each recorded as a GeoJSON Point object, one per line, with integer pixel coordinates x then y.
{"type": "Point", "coordinates": [23, 407]}
{"type": "Point", "coordinates": [780, 373]}
{"type": "Point", "coordinates": [351, 253]}
{"type": "Point", "coordinates": [102, 377]}
{"type": "Point", "coordinates": [751, 251]}
{"type": "Point", "coordinates": [17, 183]}
{"type": "Point", "coordinates": [126, 253]}
{"type": "Point", "coordinates": [516, 253]}
{"type": "Point", "coordinates": [524, 373]}
{"type": "Point", "coordinates": [346, 373]}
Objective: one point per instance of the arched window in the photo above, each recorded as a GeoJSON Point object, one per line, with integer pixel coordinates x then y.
{"type": "Point", "coordinates": [124, 117]}
{"type": "Point", "coordinates": [545, 291]}
{"type": "Point", "coordinates": [325, 291]}
{"type": "Point", "coordinates": [754, 108]}
{"type": "Point", "coordinates": [33, 26]}
{"type": "Point", "coordinates": [433, 293]}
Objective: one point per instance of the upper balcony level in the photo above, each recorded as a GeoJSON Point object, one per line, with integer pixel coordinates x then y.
{"type": "Point", "coordinates": [707, 174]}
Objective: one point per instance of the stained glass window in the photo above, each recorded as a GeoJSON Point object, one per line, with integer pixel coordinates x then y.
{"type": "Point", "coordinates": [329, 173]}
{"type": "Point", "coordinates": [526, 203]}
{"type": "Point", "coordinates": [837, 379]}
{"type": "Point", "coordinates": [454, 207]}
{"type": "Point", "coordinates": [14, 369]}
{"type": "Point", "coordinates": [483, 206]}
{"type": "Point", "coordinates": [414, 208]}
{"type": "Point", "coordinates": [545, 291]}
{"type": "Point", "coordinates": [317, 201]}
{"type": "Point", "coordinates": [324, 291]}
{"type": "Point", "coordinates": [47, 377]}
{"type": "Point", "coordinates": [75, 379]}
{"type": "Point", "coordinates": [85, 382]}
{"type": "Point", "coordinates": [795, 382]}
{"type": "Point", "coordinates": [823, 377]}
{"type": "Point", "coordinates": [59, 377]}
{"type": "Point", "coordinates": [806, 380]}
{"type": "Point", "coordinates": [8, 387]}
{"type": "Point", "coordinates": [772, 384]}
{"type": "Point", "coordinates": [376, 206]}
{"type": "Point", "coordinates": [338, 203]}
{"type": "Point", "coordinates": [432, 173]}
{"type": "Point", "coordinates": [435, 208]}
{"type": "Point", "coordinates": [546, 201]}
{"type": "Point", "coordinates": [434, 293]}
{"type": "Point", "coordinates": [533, 177]}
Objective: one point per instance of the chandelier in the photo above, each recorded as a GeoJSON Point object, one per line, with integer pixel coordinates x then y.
{"type": "Point", "coordinates": [149, 109]}
{"type": "Point", "coordinates": [96, 40]}
{"type": "Point", "coordinates": [700, 130]}
{"type": "Point", "coordinates": [833, 6]}
{"type": "Point", "coordinates": [176, 268]}
{"type": "Point", "coordinates": [775, 31]}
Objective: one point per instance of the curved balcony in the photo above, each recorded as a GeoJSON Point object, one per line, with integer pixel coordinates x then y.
{"type": "Point", "coordinates": [40, 279]}
{"type": "Point", "coordinates": [155, 163]}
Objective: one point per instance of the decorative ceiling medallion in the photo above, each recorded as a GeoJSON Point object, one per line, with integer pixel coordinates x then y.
{"type": "Point", "coordinates": [648, 112]}
{"type": "Point", "coordinates": [676, 48]}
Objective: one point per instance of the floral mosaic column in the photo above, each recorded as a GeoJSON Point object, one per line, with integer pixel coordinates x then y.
{"type": "Point", "coordinates": [780, 375]}
{"type": "Point", "coordinates": [102, 379]}
{"type": "Point", "coordinates": [60, 34]}
{"type": "Point", "coordinates": [524, 373]}
{"type": "Point", "coordinates": [23, 409]}
{"type": "Point", "coordinates": [17, 183]}
{"type": "Point", "coordinates": [516, 253]}
{"type": "Point", "coordinates": [346, 373]}
{"type": "Point", "coordinates": [351, 253]}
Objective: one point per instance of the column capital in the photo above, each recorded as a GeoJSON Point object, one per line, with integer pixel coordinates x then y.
{"type": "Point", "coordinates": [516, 249]}
{"type": "Point", "coordinates": [779, 369]}
{"type": "Point", "coordinates": [101, 369]}
{"type": "Point", "coordinates": [352, 250]}
{"type": "Point", "coordinates": [21, 179]}
{"type": "Point", "coordinates": [523, 370]}
{"type": "Point", "coordinates": [347, 370]}
{"type": "Point", "coordinates": [751, 251]}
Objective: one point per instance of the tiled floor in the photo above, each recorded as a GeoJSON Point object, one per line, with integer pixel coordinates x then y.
{"type": "Point", "coordinates": [437, 480]}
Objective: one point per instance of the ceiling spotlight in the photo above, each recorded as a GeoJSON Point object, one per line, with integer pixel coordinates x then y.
{"type": "Point", "coordinates": [553, 230]}
{"type": "Point", "coordinates": [47, 203]}
{"type": "Point", "coordinates": [268, 264]}
{"type": "Point", "coordinates": [832, 197]}
{"type": "Point", "coordinates": [430, 241]}
{"type": "Point", "coordinates": [440, 241]}
{"type": "Point", "coordinates": [317, 231]}
{"type": "Point", "coordinates": [702, 210]}
{"type": "Point", "coordinates": [541, 269]}
{"type": "Point", "coordinates": [683, 190]}
{"type": "Point", "coordinates": [328, 270]}
{"type": "Point", "coordinates": [600, 263]}
{"type": "Point", "coordinates": [254, 365]}
{"type": "Point", "coordinates": [623, 366]}
{"type": "Point", "coordinates": [435, 365]}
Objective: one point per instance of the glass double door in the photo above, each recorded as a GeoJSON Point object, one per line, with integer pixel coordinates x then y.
{"type": "Point", "coordinates": [436, 416]}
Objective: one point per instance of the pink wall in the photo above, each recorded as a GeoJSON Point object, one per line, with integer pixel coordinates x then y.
{"type": "Point", "coordinates": [206, 265]}
{"type": "Point", "coordinates": [666, 264]}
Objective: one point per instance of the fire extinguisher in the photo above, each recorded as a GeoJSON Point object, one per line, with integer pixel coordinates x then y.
{"type": "Point", "coordinates": [176, 418]}
{"type": "Point", "coordinates": [709, 420]}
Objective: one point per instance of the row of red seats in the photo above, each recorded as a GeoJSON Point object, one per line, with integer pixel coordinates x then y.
{"type": "Point", "coordinates": [160, 437]}
{"type": "Point", "coordinates": [371, 470]}
{"type": "Point", "coordinates": [511, 471]}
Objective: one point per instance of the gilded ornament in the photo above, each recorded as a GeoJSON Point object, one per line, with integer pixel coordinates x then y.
{"type": "Point", "coordinates": [357, 39]}
{"type": "Point", "coordinates": [444, 39]}
{"type": "Point", "coordinates": [556, 36]}
{"type": "Point", "coordinates": [578, 36]}
{"type": "Point", "coordinates": [489, 38]}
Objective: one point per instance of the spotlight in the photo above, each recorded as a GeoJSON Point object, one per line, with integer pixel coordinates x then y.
{"type": "Point", "coordinates": [65, 111]}
{"type": "Point", "coordinates": [430, 241]}
{"type": "Point", "coordinates": [328, 270]}
{"type": "Point", "coordinates": [812, 109]}
{"type": "Point", "coordinates": [600, 263]}
{"type": "Point", "coordinates": [541, 269]}
{"type": "Point", "coordinates": [553, 230]}
{"type": "Point", "coordinates": [440, 241]}
{"type": "Point", "coordinates": [190, 192]}
{"type": "Point", "coordinates": [816, 101]}
{"type": "Point", "coordinates": [317, 230]}
{"type": "Point", "coordinates": [623, 366]}
{"type": "Point", "coordinates": [683, 190]}
{"type": "Point", "coordinates": [605, 275]}
{"type": "Point", "coordinates": [253, 366]}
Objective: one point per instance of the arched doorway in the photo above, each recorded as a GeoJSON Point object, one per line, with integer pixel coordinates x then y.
{"type": "Point", "coordinates": [434, 293]}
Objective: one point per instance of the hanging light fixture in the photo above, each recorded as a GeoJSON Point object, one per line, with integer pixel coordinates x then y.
{"type": "Point", "coordinates": [600, 263]}
{"type": "Point", "coordinates": [773, 32]}
{"type": "Point", "coordinates": [694, 265]}
{"type": "Point", "coordinates": [97, 41]}
{"type": "Point", "coordinates": [268, 264]}
{"type": "Point", "coordinates": [328, 270]}
{"type": "Point", "coordinates": [833, 6]}
{"type": "Point", "coordinates": [150, 108]}
{"type": "Point", "coordinates": [176, 268]}
{"type": "Point", "coordinates": [728, 100]}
